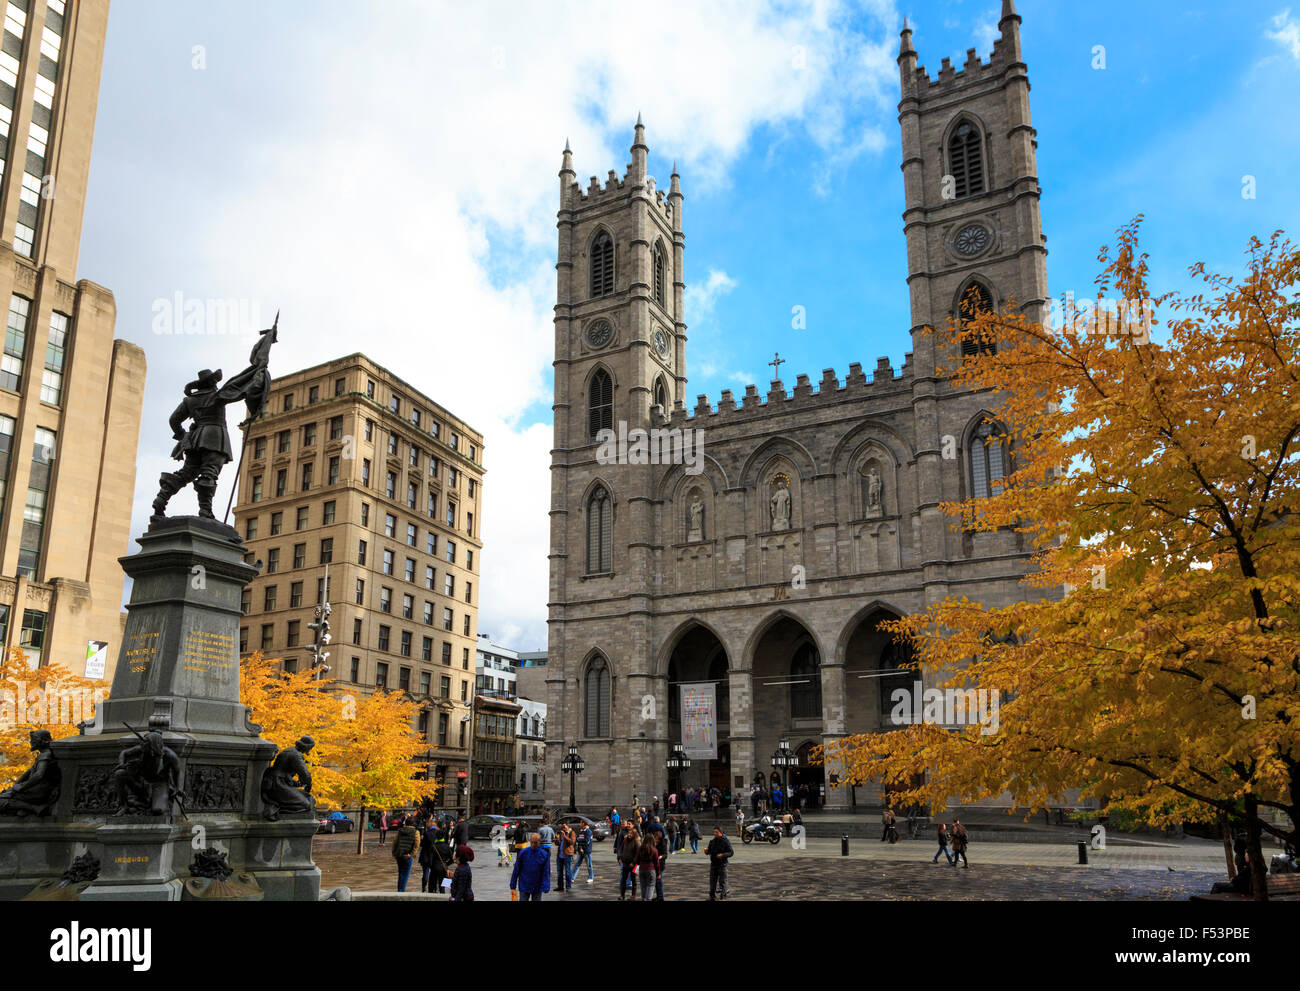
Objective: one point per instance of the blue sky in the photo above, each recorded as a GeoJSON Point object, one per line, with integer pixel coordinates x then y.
{"type": "Point", "coordinates": [385, 174]}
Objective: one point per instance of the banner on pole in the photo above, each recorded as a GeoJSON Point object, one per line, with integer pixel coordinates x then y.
{"type": "Point", "coordinates": [700, 720]}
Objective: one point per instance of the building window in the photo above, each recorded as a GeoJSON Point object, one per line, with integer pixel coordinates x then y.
{"type": "Point", "coordinates": [42, 473]}
{"type": "Point", "coordinates": [340, 386]}
{"type": "Point", "coordinates": [987, 461]}
{"type": "Point", "coordinates": [282, 442]}
{"type": "Point", "coordinates": [385, 599]}
{"type": "Point", "coordinates": [250, 528]}
{"type": "Point", "coordinates": [52, 381]}
{"type": "Point", "coordinates": [388, 562]}
{"type": "Point", "coordinates": [32, 638]}
{"type": "Point", "coordinates": [600, 527]}
{"type": "Point", "coordinates": [256, 489]}
{"type": "Point", "coordinates": [466, 630]}
{"type": "Point", "coordinates": [365, 514]}
{"type": "Point", "coordinates": [370, 389]}
{"type": "Point", "coordinates": [295, 594]}
{"type": "Point", "coordinates": [390, 485]}
{"type": "Point", "coordinates": [308, 434]}
{"type": "Point", "coordinates": [395, 404]}
{"type": "Point", "coordinates": [333, 477]}
{"type": "Point", "coordinates": [469, 560]}
{"type": "Point", "coordinates": [273, 560]}
{"type": "Point", "coordinates": [447, 619]}
{"type": "Point", "coordinates": [281, 482]}
{"type": "Point", "coordinates": [426, 654]}
{"type": "Point", "coordinates": [291, 637]}
{"type": "Point", "coordinates": [327, 516]}
{"type": "Point", "coordinates": [268, 631]}
{"type": "Point", "coordinates": [449, 585]}
{"type": "Point", "coordinates": [11, 365]}
{"type": "Point", "coordinates": [390, 525]}
{"type": "Point", "coordinates": [327, 550]}
{"type": "Point", "coordinates": [412, 495]}
{"type": "Point", "coordinates": [288, 401]}
{"type": "Point", "coordinates": [596, 699]}
{"type": "Point", "coordinates": [659, 275]}
{"type": "Point", "coordinates": [259, 447]}
{"type": "Point", "coordinates": [442, 730]}
{"type": "Point", "coordinates": [406, 652]}
{"type": "Point", "coordinates": [356, 671]}
{"type": "Point", "coordinates": [245, 604]}
{"type": "Point", "coordinates": [381, 672]}
{"type": "Point", "coordinates": [408, 607]}
{"type": "Point", "coordinates": [277, 523]}
{"type": "Point", "coordinates": [432, 506]}
{"type": "Point", "coordinates": [302, 518]}
{"type": "Point", "coordinates": [384, 633]}
{"type": "Point", "coordinates": [313, 394]}
{"type": "Point", "coordinates": [306, 475]}
{"type": "Point", "coordinates": [975, 300]}
{"type": "Point", "coordinates": [451, 513]}
{"type": "Point", "coordinates": [805, 684]}
{"type": "Point", "coordinates": [602, 265]}
{"type": "Point", "coordinates": [361, 592]}
{"type": "Point", "coordinates": [268, 598]}
{"type": "Point", "coordinates": [300, 555]}
{"type": "Point", "coordinates": [430, 543]}
{"type": "Point", "coordinates": [426, 679]}
{"type": "Point", "coordinates": [361, 552]}
{"type": "Point", "coordinates": [428, 613]}
{"type": "Point", "coordinates": [661, 396]}
{"type": "Point", "coordinates": [446, 654]}
{"type": "Point", "coordinates": [370, 430]}
{"type": "Point", "coordinates": [469, 524]}
{"type": "Point", "coordinates": [600, 404]}
{"type": "Point", "coordinates": [444, 687]}
{"type": "Point", "coordinates": [356, 634]}
{"type": "Point", "coordinates": [409, 574]}
{"type": "Point", "coordinates": [365, 472]}
{"type": "Point", "coordinates": [966, 160]}
{"type": "Point", "coordinates": [469, 592]}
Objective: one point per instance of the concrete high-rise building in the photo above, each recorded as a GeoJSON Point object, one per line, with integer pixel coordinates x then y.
{"type": "Point", "coordinates": [70, 395]}
{"type": "Point", "coordinates": [354, 473]}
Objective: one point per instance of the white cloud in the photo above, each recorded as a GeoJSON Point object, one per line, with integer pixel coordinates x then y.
{"type": "Point", "coordinates": [401, 201]}
{"type": "Point", "coordinates": [1287, 32]}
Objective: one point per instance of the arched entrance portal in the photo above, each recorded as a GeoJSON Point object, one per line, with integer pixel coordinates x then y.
{"type": "Point", "coordinates": [699, 657]}
{"type": "Point", "coordinates": [806, 780]}
{"type": "Point", "coordinates": [787, 681]}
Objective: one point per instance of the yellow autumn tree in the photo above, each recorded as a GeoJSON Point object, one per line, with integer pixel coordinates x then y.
{"type": "Point", "coordinates": [1155, 663]}
{"type": "Point", "coordinates": [48, 698]}
{"type": "Point", "coordinates": [365, 747]}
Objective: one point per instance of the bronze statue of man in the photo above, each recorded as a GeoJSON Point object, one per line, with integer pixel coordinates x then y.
{"type": "Point", "coordinates": [147, 777]}
{"type": "Point", "coordinates": [205, 446]}
{"type": "Point", "coordinates": [38, 789]}
{"type": "Point", "coordinates": [286, 785]}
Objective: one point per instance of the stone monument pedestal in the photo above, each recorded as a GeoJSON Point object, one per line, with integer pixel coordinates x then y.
{"type": "Point", "coordinates": [178, 675]}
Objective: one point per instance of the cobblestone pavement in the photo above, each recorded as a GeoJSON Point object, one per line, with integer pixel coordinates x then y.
{"type": "Point", "coordinates": [998, 871]}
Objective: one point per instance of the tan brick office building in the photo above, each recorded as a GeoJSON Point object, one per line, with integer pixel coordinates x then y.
{"type": "Point", "coordinates": [354, 471]}
{"type": "Point", "coordinates": [66, 386]}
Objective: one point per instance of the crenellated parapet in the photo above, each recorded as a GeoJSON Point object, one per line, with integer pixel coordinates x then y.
{"type": "Point", "coordinates": [884, 381]}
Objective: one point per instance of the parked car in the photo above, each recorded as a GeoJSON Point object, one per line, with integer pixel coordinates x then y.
{"type": "Point", "coordinates": [335, 822]}
{"type": "Point", "coordinates": [480, 827]}
{"type": "Point", "coordinates": [599, 829]}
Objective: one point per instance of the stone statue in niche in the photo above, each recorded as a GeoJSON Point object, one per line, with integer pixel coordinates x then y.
{"type": "Point", "coordinates": [873, 490]}
{"type": "Point", "coordinates": [695, 518]}
{"type": "Point", "coordinates": [38, 789]}
{"type": "Point", "coordinates": [780, 505]}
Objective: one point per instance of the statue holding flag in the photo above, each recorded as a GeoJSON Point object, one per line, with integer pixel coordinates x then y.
{"type": "Point", "coordinates": [205, 446]}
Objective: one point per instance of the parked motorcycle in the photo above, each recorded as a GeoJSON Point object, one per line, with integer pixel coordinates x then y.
{"type": "Point", "coordinates": [764, 829]}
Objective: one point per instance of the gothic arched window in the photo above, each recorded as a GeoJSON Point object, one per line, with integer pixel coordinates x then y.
{"type": "Point", "coordinates": [987, 461]}
{"type": "Point", "coordinates": [966, 160]}
{"type": "Point", "coordinates": [600, 403]}
{"type": "Point", "coordinates": [896, 658]}
{"type": "Point", "coordinates": [602, 265]}
{"type": "Point", "coordinates": [659, 276]}
{"type": "Point", "coordinates": [661, 395]}
{"type": "Point", "coordinates": [600, 532]}
{"type": "Point", "coordinates": [806, 684]}
{"type": "Point", "coordinates": [975, 300]}
{"type": "Point", "coordinates": [596, 698]}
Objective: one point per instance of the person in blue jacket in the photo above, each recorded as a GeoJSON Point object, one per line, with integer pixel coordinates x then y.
{"type": "Point", "coordinates": [532, 873]}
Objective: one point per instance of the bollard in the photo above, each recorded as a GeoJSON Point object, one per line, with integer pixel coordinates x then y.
{"type": "Point", "coordinates": [844, 844]}
{"type": "Point", "coordinates": [1083, 852]}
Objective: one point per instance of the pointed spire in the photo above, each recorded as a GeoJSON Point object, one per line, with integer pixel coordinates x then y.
{"type": "Point", "coordinates": [637, 167]}
{"type": "Point", "coordinates": [566, 145]}
{"type": "Point", "coordinates": [1008, 9]}
{"type": "Point", "coordinates": [905, 41]}
{"type": "Point", "coordinates": [638, 118]}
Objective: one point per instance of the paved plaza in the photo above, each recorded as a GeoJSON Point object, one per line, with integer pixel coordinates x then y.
{"type": "Point", "coordinates": [873, 870]}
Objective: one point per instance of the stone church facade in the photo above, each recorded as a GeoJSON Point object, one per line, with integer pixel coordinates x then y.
{"type": "Point", "coordinates": [815, 511]}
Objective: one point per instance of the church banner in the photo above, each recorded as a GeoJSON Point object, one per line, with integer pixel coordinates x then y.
{"type": "Point", "coordinates": [699, 720]}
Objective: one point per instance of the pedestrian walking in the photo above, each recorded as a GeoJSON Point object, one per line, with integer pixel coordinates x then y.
{"type": "Point", "coordinates": [719, 852]}
{"type": "Point", "coordinates": [627, 862]}
{"type": "Point", "coordinates": [547, 833]}
{"type": "Point", "coordinates": [661, 848]}
{"type": "Point", "coordinates": [567, 844]}
{"type": "Point", "coordinates": [672, 834]}
{"type": "Point", "coordinates": [460, 835]}
{"type": "Point", "coordinates": [740, 822]}
{"type": "Point", "coordinates": [943, 844]}
{"type": "Point", "coordinates": [404, 845]}
{"type": "Point", "coordinates": [461, 881]}
{"type": "Point", "coordinates": [960, 839]}
{"type": "Point", "coordinates": [383, 827]}
{"type": "Point", "coordinates": [532, 873]}
{"type": "Point", "coordinates": [647, 866]}
{"type": "Point", "coordinates": [887, 821]}
{"type": "Point", "coordinates": [585, 839]}
{"type": "Point", "coordinates": [716, 801]}
{"type": "Point", "coordinates": [694, 828]}
{"type": "Point", "coordinates": [433, 868]}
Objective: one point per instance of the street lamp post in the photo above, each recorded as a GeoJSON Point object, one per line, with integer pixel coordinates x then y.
{"type": "Point", "coordinates": [469, 757]}
{"type": "Point", "coordinates": [573, 765]}
{"type": "Point", "coordinates": [784, 759]}
{"type": "Point", "coordinates": [676, 763]}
